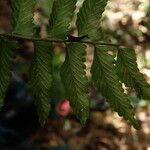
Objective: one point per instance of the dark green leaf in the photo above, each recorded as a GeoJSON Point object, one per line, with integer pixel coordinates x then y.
{"type": "Point", "coordinates": [7, 55]}
{"type": "Point", "coordinates": [40, 79]}
{"type": "Point", "coordinates": [75, 81]}
{"type": "Point", "coordinates": [88, 19]}
{"type": "Point", "coordinates": [107, 82]}
{"type": "Point", "coordinates": [129, 73]}
{"type": "Point", "coordinates": [61, 17]}
{"type": "Point", "coordinates": [22, 16]}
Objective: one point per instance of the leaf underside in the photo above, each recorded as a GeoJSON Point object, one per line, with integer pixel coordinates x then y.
{"type": "Point", "coordinates": [74, 78]}
{"type": "Point", "coordinates": [40, 79]}
{"type": "Point", "coordinates": [107, 82]}
{"type": "Point", "coordinates": [22, 16]}
{"type": "Point", "coordinates": [7, 55]}
{"type": "Point", "coordinates": [129, 73]}
{"type": "Point", "coordinates": [88, 18]}
{"type": "Point", "coordinates": [60, 18]}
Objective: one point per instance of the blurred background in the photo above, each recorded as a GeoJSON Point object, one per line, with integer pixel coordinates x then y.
{"type": "Point", "coordinates": [124, 21]}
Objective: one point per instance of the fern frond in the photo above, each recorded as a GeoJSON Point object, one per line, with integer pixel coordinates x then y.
{"type": "Point", "coordinates": [22, 16]}
{"type": "Point", "coordinates": [74, 78]}
{"type": "Point", "coordinates": [129, 73]}
{"type": "Point", "coordinates": [40, 79]}
{"type": "Point", "coordinates": [107, 82]}
{"type": "Point", "coordinates": [7, 55]}
{"type": "Point", "coordinates": [88, 18]}
{"type": "Point", "coordinates": [61, 17]}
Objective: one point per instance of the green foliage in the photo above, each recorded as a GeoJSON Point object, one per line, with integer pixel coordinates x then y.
{"type": "Point", "coordinates": [129, 73]}
{"type": "Point", "coordinates": [75, 81]}
{"type": "Point", "coordinates": [105, 75]}
{"type": "Point", "coordinates": [22, 16]}
{"type": "Point", "coordinates": [106, 80]}
{"type": "Point", "coordinates": [61, 17]}
{"type": "Point", "coordinates": [46, 6]}
{"type": "Point", "coordinates": [7, 55]}
{"type": "Point", "coordinates": [57, 85]}
{"type": "Point", "coordinates": [40, 79]}
{"type": "Point", "coordinates": [88, 21]}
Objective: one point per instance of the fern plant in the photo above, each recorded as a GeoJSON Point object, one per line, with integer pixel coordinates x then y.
{"type": "Point", "coordinates": [107, 76]}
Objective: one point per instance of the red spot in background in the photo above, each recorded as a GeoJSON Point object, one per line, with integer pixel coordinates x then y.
{"type": "Point", "coordinates": [64, 108]}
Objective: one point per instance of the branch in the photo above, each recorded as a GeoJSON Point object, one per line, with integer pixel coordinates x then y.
{"type": "Point", "coordinates": [16, 36]}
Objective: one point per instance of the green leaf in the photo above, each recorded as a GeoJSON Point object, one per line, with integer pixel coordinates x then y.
{"type": "Point", "coordinates": [7, 55]}
{"type": "Point", "coordinates": [88, 18]}
{"type": "Point", "coordinates": [22, 16]}
{"type": "Point", "coordinates": [61, 17]}
{"type": "Point", "coordinates": [74, 79]}
{"type": "Point", "coordinates": [40, 79]}
{"type": "Point", "coordinates": [129, 73]}
{"type": "Point", "coordinates": [46, 6]}
{"type": "Point", "coordinates": [107, 82]}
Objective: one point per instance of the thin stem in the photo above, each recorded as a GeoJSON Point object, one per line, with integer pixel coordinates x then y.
{"type": "Point", "coordinates": [16, 36]}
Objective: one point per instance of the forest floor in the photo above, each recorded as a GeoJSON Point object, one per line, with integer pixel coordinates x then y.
{"type": "Point", "coordinates": [104, 131]}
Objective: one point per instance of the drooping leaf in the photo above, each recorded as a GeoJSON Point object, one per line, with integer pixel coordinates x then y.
{"type": "Point", "coordinates": [61, 17]}
{"type": "Point", "coordinates": [22, 16]}
{"type": "Point", "coordinates": [107, 82]}
{"type": "Point", "coordinates": [40, 79]}
{"type": "Point", "coordinates": [129, 73]}
{"type": "Point", "coordinates": [74, 78]}
{"type": "Point", "coordinates": [88, 18]}
{"type": "Point", "coordinates": [7, 55]}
